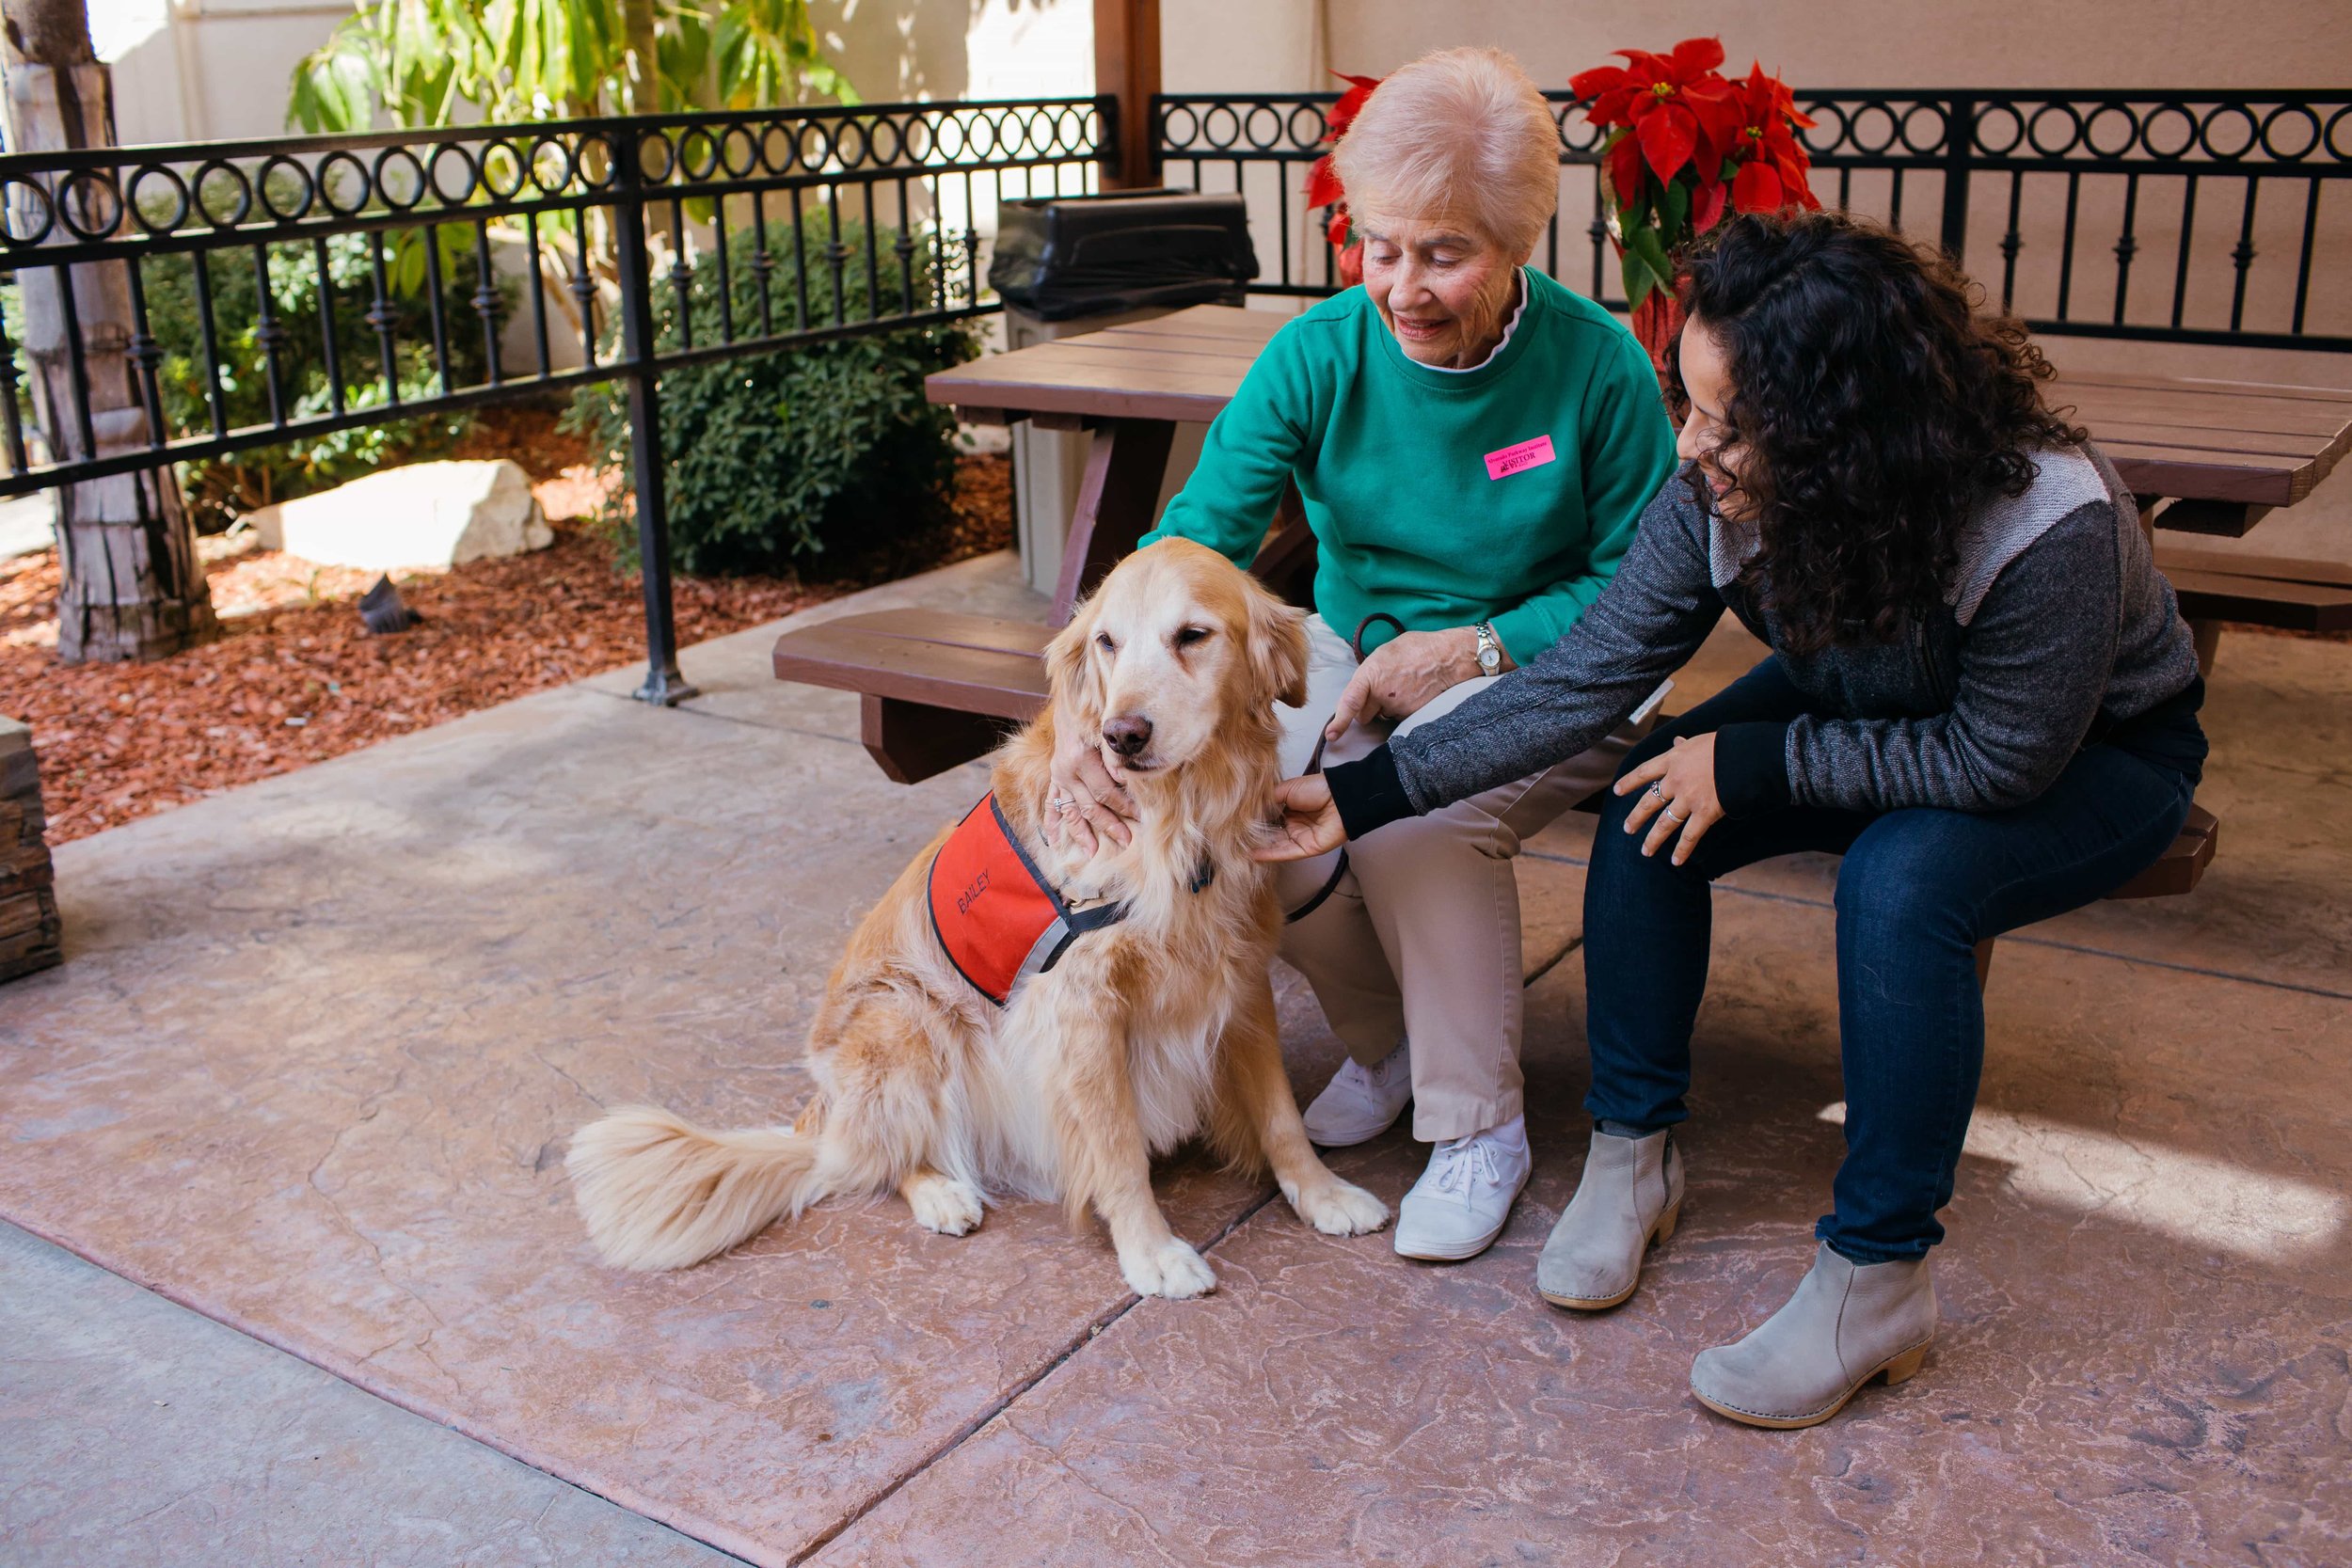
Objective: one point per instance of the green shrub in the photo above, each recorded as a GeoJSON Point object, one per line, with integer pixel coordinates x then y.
{"type": "Point", "coordinates": [220, 489]}
{"type": "Point", "coordinates": [777, 458]}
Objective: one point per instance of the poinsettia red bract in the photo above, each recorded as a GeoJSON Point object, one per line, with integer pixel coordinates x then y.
{"type": "Point", "coordinates": [1322, 181]}
{"type": "Point", "coordinates": [1772, 161]}
{"type": "Point", "coordinates": [1687, 147]}
{"type": "Point", "coordinates": [1677, 107]}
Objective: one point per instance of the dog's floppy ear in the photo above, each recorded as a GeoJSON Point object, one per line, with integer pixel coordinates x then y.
{"type": "Point", "coordinates": [1069, 675]}
{"type": "Point", "coordinates": [1278, 647]}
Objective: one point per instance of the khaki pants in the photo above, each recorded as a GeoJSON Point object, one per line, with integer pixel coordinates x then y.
{"type": "Point", "coordinates": [1419, 941]}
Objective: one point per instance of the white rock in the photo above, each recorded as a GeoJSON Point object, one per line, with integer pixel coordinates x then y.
{"type": "Point", "coordinates": [420, 515]}
{"type": "Point", "coordinates": [28, 523]}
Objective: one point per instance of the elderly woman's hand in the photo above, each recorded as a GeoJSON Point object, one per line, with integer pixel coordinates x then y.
{"type": "Point", "coordinates": [1402, 674]}
{"type": "Point", "coordinates": [1310, 825]}
{"type": "Point", "coordinates": [1678, 787]}
{"type": "Point", "coordinates": [1086, 799]}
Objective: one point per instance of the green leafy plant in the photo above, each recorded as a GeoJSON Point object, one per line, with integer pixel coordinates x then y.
{"type": "Point", "coordinates": [419, 63]}
{"type": "Point", "coordinates": [220, 489]}
{"type": "Point", "coordinates": [827, 449]}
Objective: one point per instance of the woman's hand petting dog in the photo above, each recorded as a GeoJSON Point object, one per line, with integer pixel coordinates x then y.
{"type": "Point", "coordinates": [1678, 787]}
{"type": "Point", "coordinates": [1399, 678]}
{"type": "Point", "coordinates": [1099, 804]}
{"type": "Point", "coordinates": [1310, 824]}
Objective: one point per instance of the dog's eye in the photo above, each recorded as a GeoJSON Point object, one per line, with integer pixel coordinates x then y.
{"type": "Point", "coordinates": [1190, 635]}
{"type": "Point", "coordinates": [1103, 640]}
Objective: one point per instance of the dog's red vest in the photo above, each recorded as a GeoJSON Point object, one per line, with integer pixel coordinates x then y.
{"type": "Point", "coordinates": [1000, 921]}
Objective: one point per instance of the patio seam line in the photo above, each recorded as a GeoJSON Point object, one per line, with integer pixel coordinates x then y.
{"type": "Point", "coordinates": [1092, 1331]}
{"type": "Point", "coordinates": [450, 1421]}
{"type": "Point", "coordinates": [2013, 936]}
{"type": "Point", "coordinates": [1527, 982]}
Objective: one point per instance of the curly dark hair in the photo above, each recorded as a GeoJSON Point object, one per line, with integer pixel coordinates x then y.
{"type": "Point", "coordinates": [1878, 403]}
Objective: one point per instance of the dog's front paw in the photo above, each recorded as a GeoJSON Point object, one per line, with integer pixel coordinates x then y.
{"type": "Point", "coordinates": [943, 1204]}
{"type": "Point", "coordinates": [1172, 1268]}
{"type": "Point", "coordinates": [1339, 1208]}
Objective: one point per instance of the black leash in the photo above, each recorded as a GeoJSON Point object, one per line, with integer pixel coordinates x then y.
{"type": "Point", "coordinates": [1314, 765]}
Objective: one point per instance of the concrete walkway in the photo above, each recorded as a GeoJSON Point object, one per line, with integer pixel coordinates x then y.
{"type": "Point", "coordinates": [309, 1066]}
{"type": "Point", "coordinates": [134, 1430]}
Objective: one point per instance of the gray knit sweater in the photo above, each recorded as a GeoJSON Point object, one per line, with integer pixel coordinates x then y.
{"type": "Point", "coordinates": [2057, 625]}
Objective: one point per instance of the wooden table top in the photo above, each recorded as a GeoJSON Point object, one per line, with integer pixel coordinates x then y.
{"type": "Point", "coordinates": [2245, 443]}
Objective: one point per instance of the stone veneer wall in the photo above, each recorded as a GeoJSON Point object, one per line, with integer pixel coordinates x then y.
{"type": "Point", "coordinates": [28, 902]}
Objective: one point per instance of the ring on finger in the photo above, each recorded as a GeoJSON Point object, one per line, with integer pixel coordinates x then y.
{"type": "Point", "coordinates": [1672, 817]}
{"type": "Point", "coordinates": [1654, 790]}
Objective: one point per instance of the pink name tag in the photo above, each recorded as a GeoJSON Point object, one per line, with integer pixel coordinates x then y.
{"type": "Point", "coordinates": [1507, 461]}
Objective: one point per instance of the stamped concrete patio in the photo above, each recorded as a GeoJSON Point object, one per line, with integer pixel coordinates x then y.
{"type": "Point", "coordinates": [298, 1101]}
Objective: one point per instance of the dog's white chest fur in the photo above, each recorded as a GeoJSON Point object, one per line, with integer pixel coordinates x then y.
{"type": "Point", "coordinates": [1164, 1046]}
{"type": "Point", "coordinates": [1174, 1070]}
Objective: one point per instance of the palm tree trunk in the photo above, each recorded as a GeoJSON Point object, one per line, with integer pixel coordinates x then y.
{"type": "Point", "coordinates": [132, 587]}
{"type": "Point", "coordinates": [642, 65]}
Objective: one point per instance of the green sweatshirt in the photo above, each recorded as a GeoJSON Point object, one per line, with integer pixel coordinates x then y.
{"type": "Point", "coordinates": [1507, 493]}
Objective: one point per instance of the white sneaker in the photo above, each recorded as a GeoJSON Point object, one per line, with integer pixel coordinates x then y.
{"type": "Point", "coordinates": [1359, 1104]}
{"type": "Point", "coordinates": [1459, 1205]}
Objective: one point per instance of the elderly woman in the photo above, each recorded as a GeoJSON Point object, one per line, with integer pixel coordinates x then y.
{"type": "Point", "coordinates": [1472, 444]}
{"type": "Point", "coordinates": [1980, 691]}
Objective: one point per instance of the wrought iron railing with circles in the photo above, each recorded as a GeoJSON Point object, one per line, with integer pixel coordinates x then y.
{"type": "Point", "coordinates": [2232, 200]}
{"type": "Point", "coordinates": [2240, 196]}
{"type": "Point", "coordinates": [858, 220]}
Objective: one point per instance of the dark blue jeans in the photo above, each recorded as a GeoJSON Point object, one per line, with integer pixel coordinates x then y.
{"type": "Point", "coordinates": [1918, 889]}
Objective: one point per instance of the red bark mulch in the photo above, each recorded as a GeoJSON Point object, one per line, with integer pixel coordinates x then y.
{"type": "Point", "coordinates": [296, 679]}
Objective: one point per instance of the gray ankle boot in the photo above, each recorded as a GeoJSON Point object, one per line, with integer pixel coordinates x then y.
{"type": "Point", "coordinates": [1630, 1196]}
{"type": "Point", "coordinates": [1847, 1323]}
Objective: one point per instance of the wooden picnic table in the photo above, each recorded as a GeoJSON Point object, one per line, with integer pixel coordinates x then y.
{"type": "Point", "coordinates": [937, 689]}
{"type": "Point", "coordinates": [2203, 456]}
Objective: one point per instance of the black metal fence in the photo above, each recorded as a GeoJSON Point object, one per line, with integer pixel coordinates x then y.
{"type": "Point", "coordinates": [2198, 217]}
{"type": "Point", "coordinates": [494, 263]}
{"type": "Point", "coordinates": [445, 270]}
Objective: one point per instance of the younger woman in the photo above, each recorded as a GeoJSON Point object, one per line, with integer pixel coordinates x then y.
{"type": "Point", "coordinates": [1980, 691]}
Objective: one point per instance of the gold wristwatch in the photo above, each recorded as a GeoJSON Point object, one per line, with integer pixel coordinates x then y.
{"type": "Point", "coordinates": [1489, 649]}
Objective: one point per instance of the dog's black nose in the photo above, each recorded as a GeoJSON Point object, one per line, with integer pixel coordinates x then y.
{"type": "Point", "coordinates": [1127, 735]}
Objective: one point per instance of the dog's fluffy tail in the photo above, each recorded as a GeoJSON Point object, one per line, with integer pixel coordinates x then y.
{"type": "Point", "coordinates": [658, 1192]}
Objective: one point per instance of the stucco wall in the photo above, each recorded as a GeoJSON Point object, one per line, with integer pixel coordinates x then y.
{"type": "Point", "coordinates": [1886, 44]}
{"type": "Point", "coordinates": [1275, 45]}
{"type": "Point", "coordinates": [205, 69]}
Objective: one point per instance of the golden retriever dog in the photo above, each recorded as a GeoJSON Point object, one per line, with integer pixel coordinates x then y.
{"type": "Point", "coordinates": [1144, 1033]}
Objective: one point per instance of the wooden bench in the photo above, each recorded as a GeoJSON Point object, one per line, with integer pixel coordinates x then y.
{"type": "Point", "coordinates": [2176, 871]}
{"type": "Point", "coordinates": [2257, 591]}
{"type": "Point", "coordinates": [937, 688]}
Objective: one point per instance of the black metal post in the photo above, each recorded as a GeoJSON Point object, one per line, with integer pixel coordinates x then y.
{"type": "Point", "coordinates": [1960, 148]}
{"type": "Point", "coordinates": [664, 685]}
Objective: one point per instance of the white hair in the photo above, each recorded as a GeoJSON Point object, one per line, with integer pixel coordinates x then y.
{"type": "Point", "coordinates": [1459, 136]}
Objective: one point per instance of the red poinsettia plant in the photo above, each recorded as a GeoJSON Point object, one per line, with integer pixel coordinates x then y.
{"type": "Point", "coordinates": [1322, 181]}
{"type": "Point", "coordinates": [1685, 147]}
